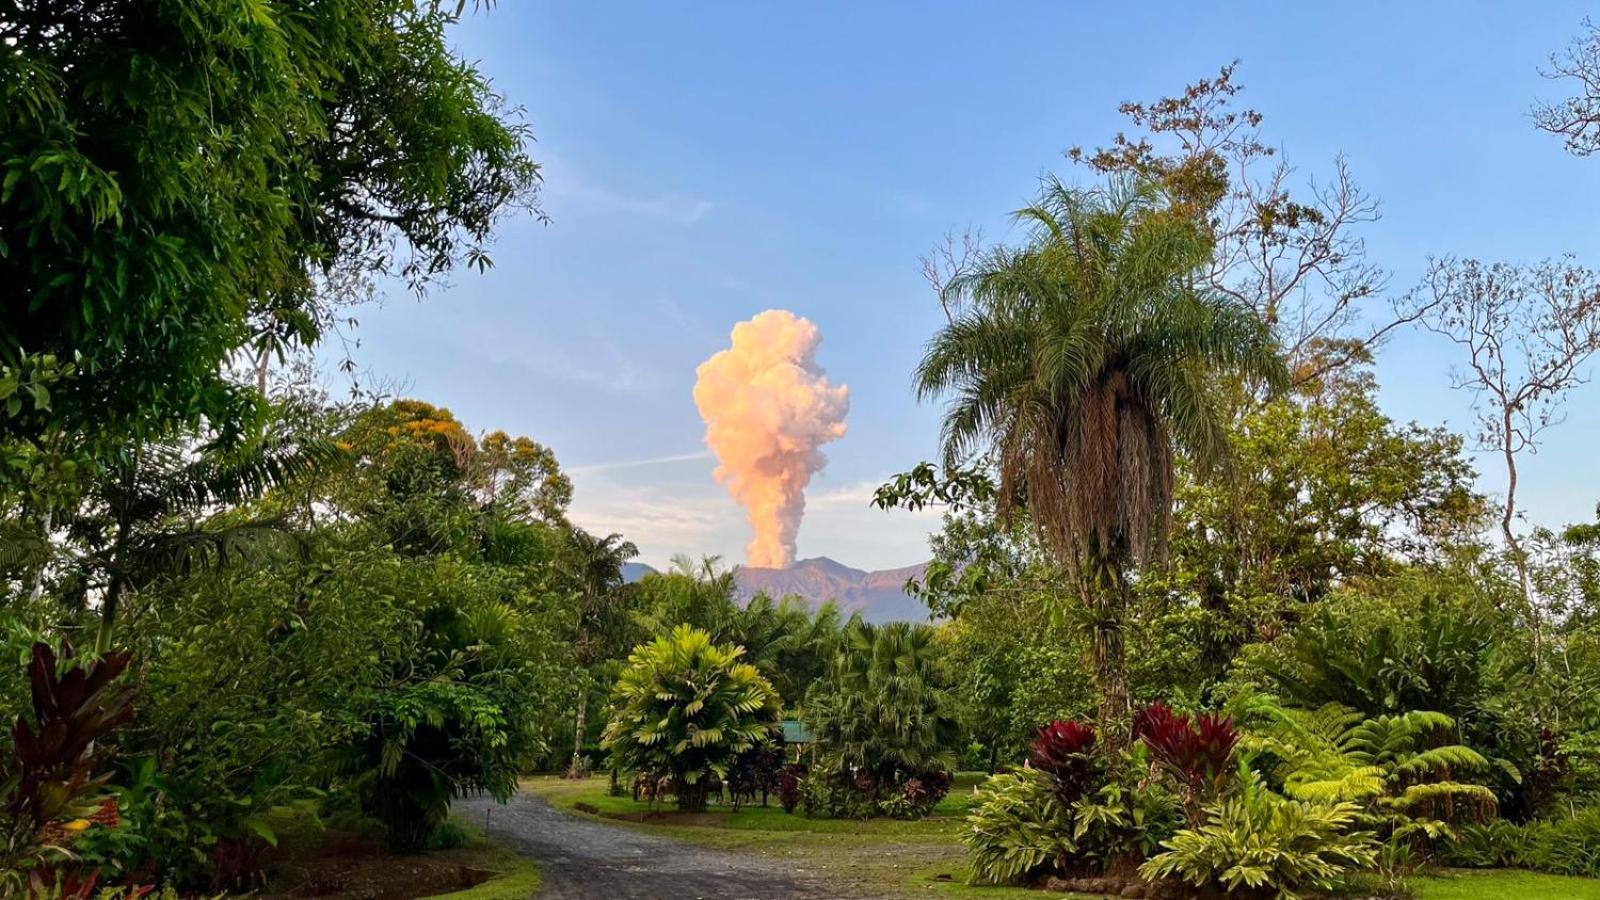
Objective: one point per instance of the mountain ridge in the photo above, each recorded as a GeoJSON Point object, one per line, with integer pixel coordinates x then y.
{"type": "Point", "coordinates": [878, 595]}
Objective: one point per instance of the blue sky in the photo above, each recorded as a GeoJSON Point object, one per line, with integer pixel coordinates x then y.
{"type": "Point", "coordinates": [704, 162]}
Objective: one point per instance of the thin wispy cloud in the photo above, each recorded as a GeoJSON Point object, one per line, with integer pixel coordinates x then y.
{"type": "Point", "coordinates": [639, 463]}
{"type": "Point", "coordinates": [858, 496]}
{"type": "Point", "coordinates": [672, 207]}
{"type": "Point", "coordinates": [620, 374]}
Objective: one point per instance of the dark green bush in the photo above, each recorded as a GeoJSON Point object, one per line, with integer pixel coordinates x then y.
{"type": "Point", "coordinates": [1566, 846]}
{"type": "Point", "coordinates": [450, 836]}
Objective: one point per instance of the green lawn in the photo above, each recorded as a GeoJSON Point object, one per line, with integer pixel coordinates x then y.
{"type": "Point", "coordinates": [1508, 883]}
{"type": "Point", "coordinates": [892, 858]}
{"type": "Point", "coordinates": [517, 878]}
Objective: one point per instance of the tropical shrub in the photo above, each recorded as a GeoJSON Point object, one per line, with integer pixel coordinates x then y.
{"type": "Point", "coordinates": [790, 784]}
{"type": "Point", "coordinates": [882, 717]}
{"type": "Point", "coordinates": [51, 789]}
{"type": "Point", "coordinates": [1065, 750]}
{"type": "Point", "coordinates": [1486, 845]}
{"type": "Point", "coordinates": [1563, 846]}
{"type": "Point", "coordinates": [685, 708]}
{"type": "Point", "coordinates": [757, 770]}
{"type": "Point", "coordinates": [1567, 845]}
{"type": "Point", "coordinates": [1197, 754]}
{"type": "Point", "coordinates": [841, 794]}
{"type": "Point", "coordinates": [1018, 829]}
{"type": "Point", "coordinates": [1391, 765]}
{"type": "Point", "coordinates": [1255, 843]}
{"type": "Point", "coordinates": [918, 796]}
{"type": "Point", "coordinates": [830, 791]}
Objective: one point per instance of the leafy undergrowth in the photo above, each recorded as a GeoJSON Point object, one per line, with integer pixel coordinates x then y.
{"type": "Point", "coordinates": [342, 862]}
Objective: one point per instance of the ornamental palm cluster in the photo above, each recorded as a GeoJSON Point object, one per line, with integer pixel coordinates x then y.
{"type": "Point", "coordinates": [684, 708]}
{"type": "Point", "coordinates": [883, 714]}
{"type": "Point", "coordinates": [1086, 361]}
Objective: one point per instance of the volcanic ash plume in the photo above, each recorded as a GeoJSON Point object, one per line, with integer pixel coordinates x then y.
{"type": "Point", "coordinates": [768, 407]}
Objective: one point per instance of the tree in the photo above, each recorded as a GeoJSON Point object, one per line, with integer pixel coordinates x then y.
{"type": "Point", "coordinates": [180, 181]}
{"type": "Point", "coordinates": [594, 567]}
{"type": "Point", "coordinates": [1528, 333]}
{"type": "Point", "coordinates": [1085, 360]}
{"type": "Point", "coordinates": [1575, 119]}
{"type": "Point", "coordinates": [453, 715]}
{"type": "Point", "coordinates": [164, 508]}
{"type": "Point", "coordinates": [1293, 253]}
{"type": "Point", "coordinates": [432, 486]}
{"type": "Point", "coordinates": [883, 713]}
{"type": "Point", "coordinates": [685, 708]}
{"type": "Point", "coordinates": [1328, 489]}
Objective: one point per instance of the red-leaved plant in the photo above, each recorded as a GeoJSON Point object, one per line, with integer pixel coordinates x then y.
{"type": "Point", "coordinates": [1197, 753]}
{"type": "Point", "coordinates": [49, 791]}
{"type": "Point", "coordinates": [1065, 750]}
{"type": "Point", "coordinates": [923, 791]}
{"type": "Point", "coordinates": [789, 785]}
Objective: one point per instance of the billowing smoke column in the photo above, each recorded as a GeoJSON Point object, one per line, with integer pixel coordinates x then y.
{"type": "Point", "coordinates": [768, 407]}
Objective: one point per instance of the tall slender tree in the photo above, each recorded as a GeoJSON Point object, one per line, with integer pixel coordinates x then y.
{"type": "Point", "coordinates": [1086, 360]}
{"type": "Point", "coordinates": [594, 566]}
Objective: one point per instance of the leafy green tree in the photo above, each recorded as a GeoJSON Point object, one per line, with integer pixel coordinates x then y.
{"type": "Point", "coordinates": [178, 182]}
{"type": "Point", "coordinates": [884, 710]}
{"type": "Point", "coordinates": [685, 708]}
{"type": "Point", "coordinates": [1328, 490]}
{"type": "Point", "coordinates": [786, 640]}
{"type": "Point", "coordinates": [1086, 361]}
{"type": "Point", "coordinates": [454, 714]}
{"type": "Point", "coordinates": [593, 566]}
{"type": "Point", "coordinates": [162, 509]}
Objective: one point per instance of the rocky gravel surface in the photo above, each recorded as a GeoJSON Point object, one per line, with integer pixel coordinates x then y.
{"type": "Point", "coordinates": [584, 858]}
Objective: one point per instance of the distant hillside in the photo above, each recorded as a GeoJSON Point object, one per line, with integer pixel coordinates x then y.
{"type": "Point", "coordinates": [878, 596]}
{"type": "Point", "coordinates": [633, 571]}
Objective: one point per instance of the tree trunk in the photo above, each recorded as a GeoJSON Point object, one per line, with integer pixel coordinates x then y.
{"type": "Point", "coordinates": [1519, 560]}
{"type": "Point", "coordinates": [1108, 603]}
{"type": "Point", "coordinates": [691, 797]}
{"type": "Point", "coordinates": [576, 769]}
{"type": "Point", "coordinates": [36, 577]}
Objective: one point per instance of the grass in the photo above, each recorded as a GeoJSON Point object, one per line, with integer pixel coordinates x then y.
{"type": "Point", "coordinates": [890, 858]}
{"type": "Point", "coordinates": [1508, 883]}
{"type": "Point", "coordinates": [517, 877]}
{"type": "Point", "coordinates": [881, 857]}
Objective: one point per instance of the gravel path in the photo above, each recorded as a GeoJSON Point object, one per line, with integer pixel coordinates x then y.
{"type": "Point", "coordinates": [583, 858]}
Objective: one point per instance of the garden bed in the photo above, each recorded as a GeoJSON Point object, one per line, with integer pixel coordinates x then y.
{"type": "Point", "coordinates": [353, 866]}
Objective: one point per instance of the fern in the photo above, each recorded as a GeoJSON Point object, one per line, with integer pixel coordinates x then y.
{"type": "Point", "coordinates": [1334, 754]}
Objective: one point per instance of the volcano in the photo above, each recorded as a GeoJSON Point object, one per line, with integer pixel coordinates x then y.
{"type": "Point", "coordinates": [879, 596]}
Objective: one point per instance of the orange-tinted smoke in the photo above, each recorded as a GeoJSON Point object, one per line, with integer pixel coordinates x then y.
{"type": "Point", "coordinates": [768, 407]}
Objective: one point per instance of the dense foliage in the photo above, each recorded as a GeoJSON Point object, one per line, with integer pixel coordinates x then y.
{"type": "Point", "coordinates": [882, 724]}
{"type": "Point", "coordinates": [685, 710]}
{"type": "Point", "coordinates": [1309, 645]}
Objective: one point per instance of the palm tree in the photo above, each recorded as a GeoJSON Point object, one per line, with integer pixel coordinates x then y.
{"type": "Point", "coordinates": [883, 708]}
{"type": "Point", "coordinates": [1086, 361]}
{"type": "Point", "coordinates": [161, 509]}
{"type": "Point", "coordinates": [594, 567]}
